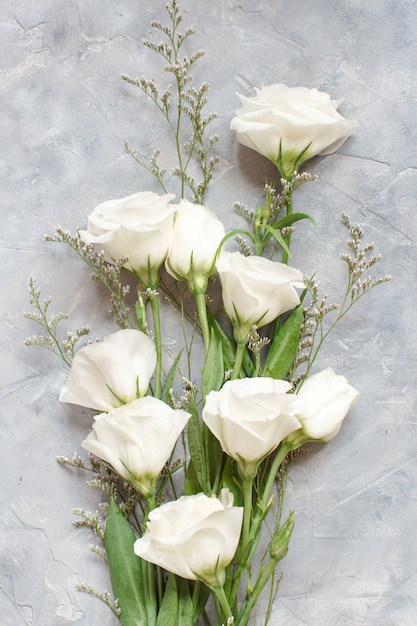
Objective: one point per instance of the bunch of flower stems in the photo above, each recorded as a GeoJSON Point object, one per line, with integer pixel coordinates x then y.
{"type": "Point", "coordinates": [184, 527]}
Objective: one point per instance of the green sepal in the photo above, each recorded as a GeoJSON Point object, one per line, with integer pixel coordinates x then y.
{"type": "Point", "coordinates": [213, 372]}
{"type": "Point", "coordinates": [284, 346]}
{"type": "Point", "coordinates": [169, 380]}
{"type": "Point", "coordinates": [125, 568]}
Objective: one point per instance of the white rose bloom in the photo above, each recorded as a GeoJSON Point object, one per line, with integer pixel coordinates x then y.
{"type": "Point", "coordinates": [325, 399]}
{"type": "Point", "coordinates": [137, 439]}
{"type": "Point", "coordinates": [289, 125]}
{"type": "Point", "coordinates": [112, 372]}
{"type": "Point", "coordinates": [194, 245]}
{"type": "Point", "coordinates": [250, 417]}
{"type": "Point", "coordinates": [195, 537]}
{"type": "Point", "coordinates": [256, 290]}
{"type": "Point", "coordinates": [137, 227]}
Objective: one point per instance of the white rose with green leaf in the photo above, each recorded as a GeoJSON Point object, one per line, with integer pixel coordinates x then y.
{"type": "Point", "coordinates": [290, 125]}
{"type": "Point", "coordinates": [256, 290]}
{"type": "Point", "coordinates": [138, 227]}
{"type": "Point", "coordinates": [112, 372]}
{"type": "Point", "coordinates": [137, 439]}
{"type": "Point", "coordinates": [195, 537]}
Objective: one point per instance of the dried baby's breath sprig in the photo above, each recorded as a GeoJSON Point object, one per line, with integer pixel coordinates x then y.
{"type": "Point", "coordinates": [183, 107]}
{"type": "Point", "coordinates": [255, 345]}
{"type": "Point", "coordinates": [89, 520]}
{"type": "Point", "coordinates": [106, 274]}
{"type": "Point", "coordinates": [49, 339]}
{"type": "Point", "coordinates": [358, 263]}
{"type": "Point", "coordinates": [98, 550]}
{"type": "Point", "coordinates": [273, 222]}
{"type": "Point", "coordinates": [190, 390]}
{"type": "Point", "coordinates": [244, 245]}
{"type": "Point", "coordinates": [104, 596]}
{"type": "Point", "coordinates": [75, 461]}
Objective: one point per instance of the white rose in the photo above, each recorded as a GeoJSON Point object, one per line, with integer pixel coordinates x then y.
{"type": "Point", "coordinates": [112, 372]}
{"type": "Point", "coordinates": [255, 290]}
{"type": "Point", "coordinates": [325, 399]}
{"type": "Point", "coordinates": [250, 417]}
{"type": "Point", "coordinates": [195, 537]}
{"type": "Point", "coordinates": [137, 227]}
{"type": "Point", "coordinates": [194, 245]}
{"type": "Point", "coordinates": [137, 439]}
{"type": "Point", "coordinates": [289, 125]}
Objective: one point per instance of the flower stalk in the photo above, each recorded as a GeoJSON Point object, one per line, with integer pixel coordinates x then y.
{"type": "Point", "coordinates": [156, 316]}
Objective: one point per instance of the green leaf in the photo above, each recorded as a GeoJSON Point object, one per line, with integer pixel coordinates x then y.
{"type": "Point", "coordinates": [202, 599]}
{"type": "Point", "coordinates": [229, 347]}
{"type": "Point", "coordinates": [213, 373]}
{"type": "Point", "coordinates": [125, 568]}
{"type": "Point", "coordinates": [196, 445]}
{"type": "Point", "coordinates": [230, 479]}
{"type": "Point", "coordinates": [191, 482]}
{"type": "Point", "coordinates": [169, 380]}
{"type": "Point", "coordinates": [177, 607]}
{"type": "Point", "coordinates": [186, 608]}
{"type": "Point", "coordinates": [215, 456]}
{"type": "Point", "coordinates": [279, 238]}
{"type": "Point", "coordinates": [169, 610]}
{"type": "Point", "coordinates": [290, 219]}
{"type": "Point", "coordinates": [284, 346]}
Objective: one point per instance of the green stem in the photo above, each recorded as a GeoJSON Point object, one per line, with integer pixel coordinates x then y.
{"type": "Point", "coordinates": [224, 604]}
{"type": "Point", "coordinates": [158, 344]}
{"type": "Point", "coordinates": [258, 517]}
{"type": "Point", "coordinates": [247, 484]}
{"type": "Point", "coordinates": [152, 607]}
{"type": "Point", "coordinates": [289, 210]}
{"type": "Point", "coordinates": [200, 298]}
{"type": "Point", "coordinates": [240, 351]}
{"type": "Point", "coordinates": [259, 247]}
{"type": "Point", "coordinates": [269, 483]}
{"type": "Point", "coordinates": [246, 611]}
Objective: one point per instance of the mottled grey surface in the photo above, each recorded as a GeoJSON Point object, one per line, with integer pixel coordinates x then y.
{"type": "Point", "coordinates": [65, 115]}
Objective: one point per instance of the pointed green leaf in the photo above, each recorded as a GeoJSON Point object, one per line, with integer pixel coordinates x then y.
{"type": "Point", "coordinates": [215, 456]}
{"type": "Point", "coordinates": [186, 608]}
{"type": "Point", "coordinates": [196, 445]}
{"type": "Point", "coordinates": [125, 568]}
{"type": "Point", "coordinates": [290, 219]}
{"type": "Point", "coordinates": [200, 601]}
{"type": "Point", "coordinates": [169, 381]}
{"type": "Point", "coordinates": [229, 347]}
{"type": "Point", "coordinates": [168, 612]}
{"type": "Point", "coordinates": [284, 346]}
{"type": "Point", "coordinates": [230, 479]}
{"type": "Point", "coordinates": [191, 482]}
{"type": "Point", "coordinates": [213, 372]}
{"type": "Point", "coordinates": [279, 238]}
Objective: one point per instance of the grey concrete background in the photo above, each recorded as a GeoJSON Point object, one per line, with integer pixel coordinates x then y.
{"type": "Point", "coordinates": [65, 115]}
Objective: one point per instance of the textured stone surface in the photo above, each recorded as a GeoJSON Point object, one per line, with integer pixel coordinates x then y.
{"type": "Point", "coordinates": [65, 115]}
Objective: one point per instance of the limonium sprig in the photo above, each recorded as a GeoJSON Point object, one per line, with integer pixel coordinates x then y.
{"type": "Point", "coordinates": [185, 118]}
{"type": "Point", "coordinates": [191, 447]}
